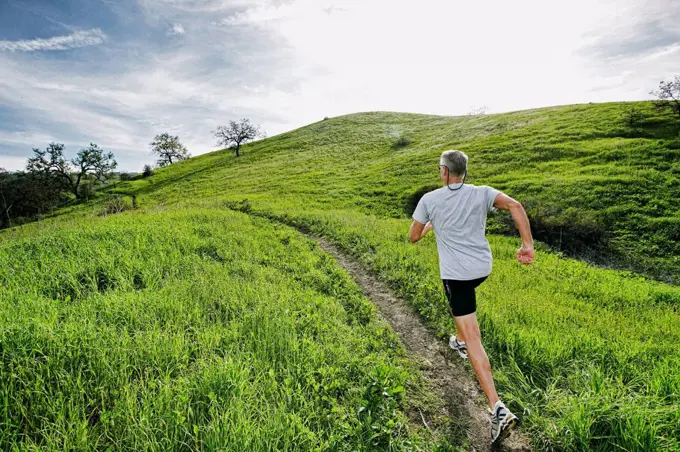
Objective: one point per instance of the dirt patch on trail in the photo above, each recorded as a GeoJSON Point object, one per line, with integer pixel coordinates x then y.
{"type": "Point", "coordinates": [442, 367]}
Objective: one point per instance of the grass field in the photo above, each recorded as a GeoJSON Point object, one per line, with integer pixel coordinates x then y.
{"type": "Point", "coordinates": [588, 357]}
{"type": "Point", "coordinates": [195, 329]}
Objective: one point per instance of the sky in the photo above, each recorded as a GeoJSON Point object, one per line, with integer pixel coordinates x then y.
{"type": "Point", "coordinates": [119, 72]}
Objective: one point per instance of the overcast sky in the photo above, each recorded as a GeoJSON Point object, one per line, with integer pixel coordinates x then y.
{"type": "Point", "coordinates": [118, 72]}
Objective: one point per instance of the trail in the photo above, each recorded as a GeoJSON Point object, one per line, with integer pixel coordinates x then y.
{"type": "Point", "coordinates": [441, 367]}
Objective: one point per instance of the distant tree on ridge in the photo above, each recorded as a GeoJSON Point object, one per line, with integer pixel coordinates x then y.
{"type": "Point", "coordinates": [668, 96]}
{"type": "Point", "coordinates": [168, 149]}
{"type": "Point", "coordinates": [237, 134]}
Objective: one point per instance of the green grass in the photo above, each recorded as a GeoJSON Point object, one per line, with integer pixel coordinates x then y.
{"type": "Point", "coordinates": [588, 357]}
{"type": "Point", "coordinates": [593, 188]}
{"type": "Point", "coordinates": [190, 330]}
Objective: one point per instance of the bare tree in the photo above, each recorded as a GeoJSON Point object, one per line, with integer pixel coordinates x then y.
{"type": "Point", "coordinates": [169, 149]}
{"type": "Point", "coordinates": [236, 134]}
{"type": "Point", "coordinates": [51, 166]}
{"type": "Point", "coordinates": [668, 96]}
{"type": "Point", "coordinates": [478, 111]}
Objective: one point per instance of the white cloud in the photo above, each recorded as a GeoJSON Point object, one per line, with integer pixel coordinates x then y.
{"type": "Point", "coordinates": [177, 29]}
{"type": "Point", "coordinates": [441, 57]}
{"type": "Point", "coordinates": [284, 64]}
{"type": "Point", "coordinates": [12, 163]}
{"type": "Point", "coordinates": [77, 39]}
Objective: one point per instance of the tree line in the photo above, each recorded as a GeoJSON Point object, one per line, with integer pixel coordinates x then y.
{"type": "Point", "coordinates": [51, 179]}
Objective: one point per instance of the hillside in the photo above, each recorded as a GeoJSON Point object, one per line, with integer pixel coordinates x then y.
{"type": "Point", "coordinates": [587, 356]}
{"type": "Point", "coordinates": [592, 187]}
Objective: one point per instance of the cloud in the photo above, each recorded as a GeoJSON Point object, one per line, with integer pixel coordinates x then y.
{"type": "Point", "coordinates": [177, 29]}
{"type": "Point", "coordinates": [647, 29]}
{"type": "Point", "coordinates": [11, 163]}
{"type": "Point", "coordinates": [284, 64]}
{"type": "Point", "coordinates": [77, 39]}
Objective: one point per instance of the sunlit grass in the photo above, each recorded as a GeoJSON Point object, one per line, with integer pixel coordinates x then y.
{"type": "Point", "coordinates": [193, 330]}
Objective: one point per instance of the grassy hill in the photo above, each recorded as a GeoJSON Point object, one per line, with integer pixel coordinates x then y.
{"type": "Point", "coordinates": [593, 187]}
{"type": "Point", "coordinates": [587, 356]}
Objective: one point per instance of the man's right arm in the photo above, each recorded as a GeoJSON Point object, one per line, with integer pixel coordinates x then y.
{"type": "Point", "coordinates": [525, 254]}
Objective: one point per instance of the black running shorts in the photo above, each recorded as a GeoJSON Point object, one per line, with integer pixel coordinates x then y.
{"type": "Point", "coordinates": [461, 295]}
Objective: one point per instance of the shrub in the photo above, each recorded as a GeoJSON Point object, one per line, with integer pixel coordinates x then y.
{"type": "Point", "coordinates": [148, 171]}
{"type": "Point", "coordinates": [118, 204]}
{"type": "Point", "coordinates": [401, 142]}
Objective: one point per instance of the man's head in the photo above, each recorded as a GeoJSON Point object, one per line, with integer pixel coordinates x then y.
{"type": "Point", "coordinates": [452, 166]}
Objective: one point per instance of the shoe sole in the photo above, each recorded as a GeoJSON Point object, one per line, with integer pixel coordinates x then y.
{"type": "Point", "coordinates": [506, 430]}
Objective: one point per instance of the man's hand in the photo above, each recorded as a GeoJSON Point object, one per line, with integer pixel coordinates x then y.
{"type": "Point", "coordinates": [525, 255]}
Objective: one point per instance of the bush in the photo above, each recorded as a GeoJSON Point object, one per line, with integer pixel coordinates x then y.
{"type": "Point", "coordinates": [127, 176]}
{"type": "Point", "coordinates": [148, 171]}
{"type": "Point", "coordinates": [118, 204]}
{"type": "Point", "coordinates": [401, 142]}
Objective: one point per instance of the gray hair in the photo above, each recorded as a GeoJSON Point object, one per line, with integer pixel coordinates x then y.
{"type": "Point", "coordinates": [455, 161]}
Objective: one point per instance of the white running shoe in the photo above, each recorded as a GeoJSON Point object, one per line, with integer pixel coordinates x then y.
{"type": "Point", "coordinates": [458, 346]}
{"type": "Point", "coordinates": [502, 422]}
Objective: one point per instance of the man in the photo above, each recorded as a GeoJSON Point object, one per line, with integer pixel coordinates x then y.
{"type": "Point", "coordinates": [457, 214]}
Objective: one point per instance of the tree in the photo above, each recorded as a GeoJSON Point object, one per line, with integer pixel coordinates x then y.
{"type": "Point", "coordinates": [51, 166]}
{"type": "Point", "coordinates": [236, 134]}
{"type": "Point", "coordinates": [169, 149]}
{"type": "Point", "coordinates": [668, 96]}
{"type": "Point", "coordinates": [24, 195]}
{"type": "Point", "coordinates": [6, 198]}
{"type": "Point", "coordinates": [478, 111]}
{"type": "Point", "coordinates": [95, 162]}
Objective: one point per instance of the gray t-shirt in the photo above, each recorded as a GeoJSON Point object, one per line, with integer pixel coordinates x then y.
{"type": "Point", "coordinates": [459, 221]}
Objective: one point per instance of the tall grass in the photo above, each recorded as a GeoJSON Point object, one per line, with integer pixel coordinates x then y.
{"type": "Point", "coordinates": [194, 330]}
{"type": "Point", "coordinates": [588, 356]}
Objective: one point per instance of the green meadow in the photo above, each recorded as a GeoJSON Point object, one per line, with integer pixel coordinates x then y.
{"type": "Point", "coordinates": [201, 318]}
{"type": "Point", "coordinates": [195, 330]}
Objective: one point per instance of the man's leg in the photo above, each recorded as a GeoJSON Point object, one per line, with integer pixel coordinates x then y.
{"type": "Point", "coordinates": [468, 326]}
{"type": "Point", "coordinates": [459, 334]}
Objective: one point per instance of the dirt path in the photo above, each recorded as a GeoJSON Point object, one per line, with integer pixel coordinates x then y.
{"type": "Point", "coordinates": [443, 369]}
